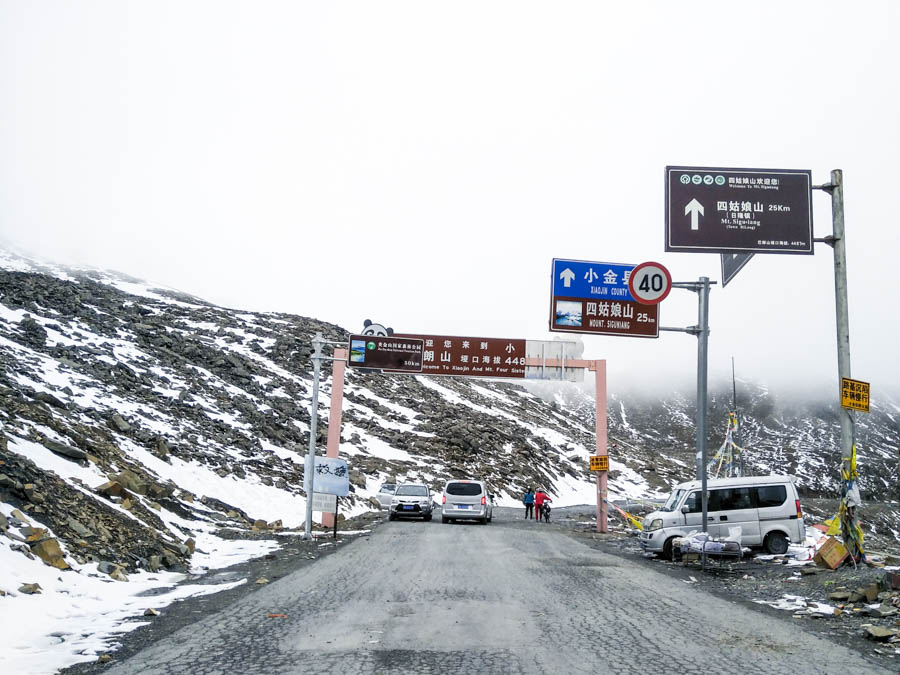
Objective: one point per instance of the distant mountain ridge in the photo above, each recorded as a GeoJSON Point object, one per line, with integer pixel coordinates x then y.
{"type": "Point", "coordinates": [198, 416]}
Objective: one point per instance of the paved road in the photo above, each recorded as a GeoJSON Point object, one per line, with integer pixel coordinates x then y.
{"type": "Point", "coordinates": [509, 597]}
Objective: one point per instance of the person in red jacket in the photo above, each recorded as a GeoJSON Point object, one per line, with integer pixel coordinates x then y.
{"type": "Point", "coordinates": [539, 498]}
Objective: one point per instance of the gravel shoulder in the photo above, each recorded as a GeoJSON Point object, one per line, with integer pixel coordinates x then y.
{"type": "Point", "coordinates": [766, 578]}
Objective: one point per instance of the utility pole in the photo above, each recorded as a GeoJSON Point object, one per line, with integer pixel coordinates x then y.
{"type": "Point", "coordinates": [841, 305]}
{"type": "Point", "coordinates": [842, 319]}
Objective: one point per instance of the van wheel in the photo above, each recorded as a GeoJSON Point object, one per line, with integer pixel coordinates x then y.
{"type": "Point", "coordinates": [776, 543]}
{"type": "Point", "coordinates": [668, 552]}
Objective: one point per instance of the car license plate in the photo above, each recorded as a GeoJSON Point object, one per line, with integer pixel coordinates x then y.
{"type": "Point", "coordinates": [407, 507]}
{"type": "Point", "coordinates": [462, 506]}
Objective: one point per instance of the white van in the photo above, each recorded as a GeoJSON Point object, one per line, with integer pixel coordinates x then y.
{"type": "Point", "coordinates": [766, 507]}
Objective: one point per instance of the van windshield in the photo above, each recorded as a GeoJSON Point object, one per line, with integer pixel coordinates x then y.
{"type": "Point", "coordinates": [673, 499]}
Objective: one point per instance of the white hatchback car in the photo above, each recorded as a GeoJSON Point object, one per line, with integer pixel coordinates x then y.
{"type": "Point", "coordinates": [467, 500]}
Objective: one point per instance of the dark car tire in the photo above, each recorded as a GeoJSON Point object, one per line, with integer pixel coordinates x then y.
{"type": "Point", "coordinates": [776, 543]}
{"type": "Point", "coordinates": [428, 517]}
{"type": "Point", "coordinates": [445, 520]}
{"type": "Point", "coordinates": [391, 516]}
{"type": "Point", "coordinates": [668, 552]}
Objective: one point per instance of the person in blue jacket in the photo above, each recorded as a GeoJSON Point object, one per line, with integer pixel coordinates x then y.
{"type": "Point", "coordinates": [528, 501]}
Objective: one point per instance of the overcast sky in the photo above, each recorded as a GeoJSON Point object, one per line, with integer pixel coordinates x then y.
{"type": "Point", "coordinates": [420, 163]}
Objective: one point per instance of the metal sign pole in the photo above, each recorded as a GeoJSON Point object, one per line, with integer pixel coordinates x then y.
{"type": "Point", "coordinates": [309, 468]}
{"type": "Point", "coordinates": [701, 330]}
{"type": "Point", "coordinates": [702, 363]}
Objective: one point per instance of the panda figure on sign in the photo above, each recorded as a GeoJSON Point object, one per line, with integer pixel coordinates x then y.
{"type": "Point", "coordinates": [376, 329]}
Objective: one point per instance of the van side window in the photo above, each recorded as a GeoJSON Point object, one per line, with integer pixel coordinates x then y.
{"type": "Point", "coordinates": [770, 495]}
{"type": "Point", "coordinates": [731, 499]}
{"type": "Point", "coordinates": [693, 503]}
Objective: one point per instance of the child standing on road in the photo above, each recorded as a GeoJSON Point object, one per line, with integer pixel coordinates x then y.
{"type": "Point", "coordinates": [528, 501]}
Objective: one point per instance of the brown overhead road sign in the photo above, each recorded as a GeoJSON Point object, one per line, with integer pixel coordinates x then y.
{"type": "Point", "coordinates": [471, 356]}
{"type": "Point", "coordinates": [722, 210]}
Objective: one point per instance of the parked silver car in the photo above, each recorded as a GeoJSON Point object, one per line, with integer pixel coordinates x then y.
{"type": "Point", "coordinates": [384, 494]}
{"type": "Point", "coordinates": [411, 499]}
{"type": "Point", "coordinates": [467, 499]}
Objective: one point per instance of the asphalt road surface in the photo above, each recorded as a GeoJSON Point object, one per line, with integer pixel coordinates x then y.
{"type": "Point", "coordinates": [508, 597]}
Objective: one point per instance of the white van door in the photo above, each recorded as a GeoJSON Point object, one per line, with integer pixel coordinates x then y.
{"type": "Point", "coordinates": [694, 516]}
{"type": "Point", "coordinates": [735, 507]}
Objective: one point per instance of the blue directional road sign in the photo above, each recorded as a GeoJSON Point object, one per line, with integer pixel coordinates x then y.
{"type": "Point", "coordinates": [593, 297]}
{"type": "Point", "coordinates": [591, 280]}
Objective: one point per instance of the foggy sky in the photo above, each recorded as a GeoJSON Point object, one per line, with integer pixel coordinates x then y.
{"type": "Point", "coordinates": [420, 164]}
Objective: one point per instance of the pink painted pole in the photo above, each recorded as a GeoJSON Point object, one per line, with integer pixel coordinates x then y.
{"type": "Point", "coordinates": [599, 368]}
{"type": "Point", "coordinates": [334, 419]}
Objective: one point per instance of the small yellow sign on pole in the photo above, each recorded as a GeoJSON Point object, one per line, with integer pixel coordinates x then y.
{"type": "Point", "coordinates": [599, 462]}
{"type": "Point", "coordinates": [854, 394]}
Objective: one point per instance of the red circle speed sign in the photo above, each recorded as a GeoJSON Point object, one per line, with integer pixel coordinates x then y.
{"type": "Point", "coordinates": [650, 283]}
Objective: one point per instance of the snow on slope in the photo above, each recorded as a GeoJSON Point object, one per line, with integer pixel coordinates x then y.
{"type": "Point", "coordinates": [214, 407]}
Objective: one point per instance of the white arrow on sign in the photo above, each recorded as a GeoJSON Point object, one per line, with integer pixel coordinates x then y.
{"type": "Point", "coordinates": [567, 275]}
{"type": "Point", "coordinates": [694, 207]}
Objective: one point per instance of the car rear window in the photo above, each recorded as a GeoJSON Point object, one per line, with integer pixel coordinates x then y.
{"type": "Point", "coordinates": [412, 491]}
{"type": "Point", "coordinates": [770, 495]}
{"type": "Point", "coordinates": [463, 489]}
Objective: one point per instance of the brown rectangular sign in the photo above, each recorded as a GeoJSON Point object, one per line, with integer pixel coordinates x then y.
{"type": "Point", "coordinates": [471, 356]}
{"type": "Point", "coordinates": [604, 317]}
{"type": "Point", "coordinates": [711, 209]}
{"type": "Point", "coordinates": [388, 352]}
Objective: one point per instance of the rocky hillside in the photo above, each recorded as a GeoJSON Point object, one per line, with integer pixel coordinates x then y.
{"type": "Point", "coordinates": [138, 420]}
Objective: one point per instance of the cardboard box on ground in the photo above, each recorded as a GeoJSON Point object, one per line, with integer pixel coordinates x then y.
{"type": "Point", "coordinates": [831, 555]}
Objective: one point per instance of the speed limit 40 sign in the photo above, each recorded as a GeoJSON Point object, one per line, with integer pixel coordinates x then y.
{"type": "Point", "coordinates": [650, 283]}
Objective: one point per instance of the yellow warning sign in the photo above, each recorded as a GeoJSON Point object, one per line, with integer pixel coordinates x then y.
{"type": "Point", "coordinates": [599, 462]}
{"type": "Point", "coordinates": [854, 394]}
